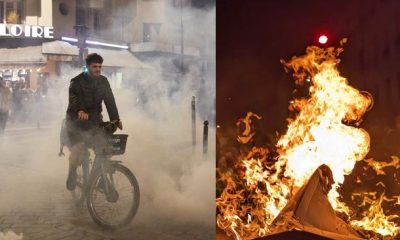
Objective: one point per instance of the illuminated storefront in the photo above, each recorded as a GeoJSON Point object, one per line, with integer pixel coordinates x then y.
{"type": "Point", "coordinates": [30, 46]}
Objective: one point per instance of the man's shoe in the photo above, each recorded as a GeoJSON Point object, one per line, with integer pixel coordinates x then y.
{"type": "Point", "coordinates": [71, 181]}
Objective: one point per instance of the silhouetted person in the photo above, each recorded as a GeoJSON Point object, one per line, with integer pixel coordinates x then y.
{"type": "Point", "coordinates": [5, 99]}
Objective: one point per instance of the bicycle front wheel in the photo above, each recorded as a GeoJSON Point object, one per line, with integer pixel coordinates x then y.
{"type": "Point", "coordinates": [113, 196]}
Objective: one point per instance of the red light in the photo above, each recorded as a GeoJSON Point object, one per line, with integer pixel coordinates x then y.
{"type": "Point", "coordinates": [323, 39]}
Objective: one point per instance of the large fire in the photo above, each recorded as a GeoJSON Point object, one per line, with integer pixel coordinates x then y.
{"type": "Point", "coordinates": [325, 130]}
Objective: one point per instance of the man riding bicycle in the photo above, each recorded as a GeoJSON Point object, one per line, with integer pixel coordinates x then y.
{"type": "Point", "coordinates": [87, 91]}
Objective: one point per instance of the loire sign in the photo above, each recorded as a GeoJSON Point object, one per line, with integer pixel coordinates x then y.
{"type": "Point", "coordinates": [15, 30]}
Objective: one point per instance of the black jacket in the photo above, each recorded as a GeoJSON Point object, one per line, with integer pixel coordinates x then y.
{"type": "Point", "coordinates": [87, 94]}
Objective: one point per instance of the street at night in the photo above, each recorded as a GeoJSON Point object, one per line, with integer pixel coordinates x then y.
{"type": "Point", "coordinates": [36, 204]}
{"type": "Point", "coordinates": [107, 119]}
{"type": "Point", "coordinates": [199, 119]}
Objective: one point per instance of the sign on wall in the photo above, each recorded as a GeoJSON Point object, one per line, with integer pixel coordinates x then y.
{"type": "Point", "coordinates": [16, 30]}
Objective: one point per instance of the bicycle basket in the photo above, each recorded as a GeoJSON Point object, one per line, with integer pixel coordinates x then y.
{"type": "Point", "coordinates": [117, 144]}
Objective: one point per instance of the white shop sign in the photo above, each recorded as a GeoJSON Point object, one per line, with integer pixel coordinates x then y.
{"type": "Point", "coordinates": [16, 30]}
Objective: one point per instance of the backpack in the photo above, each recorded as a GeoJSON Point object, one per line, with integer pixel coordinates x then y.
{"type": "Point", "coordinates": [64, 139]}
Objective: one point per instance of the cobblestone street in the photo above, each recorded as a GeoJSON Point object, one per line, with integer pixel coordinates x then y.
{"type": "Point", "coordinates": [36, 204]}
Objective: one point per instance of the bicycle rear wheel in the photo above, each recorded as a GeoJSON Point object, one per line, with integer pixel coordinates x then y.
{"type": "Point", "coordinates": [117, 206]}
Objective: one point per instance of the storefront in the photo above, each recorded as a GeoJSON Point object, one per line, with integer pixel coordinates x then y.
{"type": "Point", "coordinates": [21, 58]}
{"type": "Point", "coordinates": [36, 64]}
{"type": "Point", "coordinates": [22, 64]}
{"type": "Point", "coordinates": [117, 62]}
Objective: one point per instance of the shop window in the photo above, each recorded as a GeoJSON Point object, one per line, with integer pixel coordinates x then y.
{"type": "Point", "coordinates": [8, 75]}
{"type": "Point", "coordinates": [11, 11]}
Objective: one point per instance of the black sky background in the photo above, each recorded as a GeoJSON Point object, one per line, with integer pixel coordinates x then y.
{"type": "Point", "coordinates": [252, 37]}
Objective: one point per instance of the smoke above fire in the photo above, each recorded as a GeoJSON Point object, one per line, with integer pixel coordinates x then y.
{"type": "Point", "coordinates": [324, 128]}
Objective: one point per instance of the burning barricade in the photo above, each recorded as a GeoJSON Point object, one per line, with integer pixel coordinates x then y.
{"type": "Point", "coordinates": [296, 184]}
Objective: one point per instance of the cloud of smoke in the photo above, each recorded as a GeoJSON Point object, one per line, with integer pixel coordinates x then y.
{"type": "Point", "coordinates": [10, 236]}
{"type": "Point", "coordinates": [177, 182]}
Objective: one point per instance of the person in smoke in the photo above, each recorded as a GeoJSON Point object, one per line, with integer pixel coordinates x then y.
{"type": "Point", "coordinates": [87, 91]}
{"type": "Point", "coordinates": [17, 96]}
{"type": "Point", "coordinates": [5, 100]}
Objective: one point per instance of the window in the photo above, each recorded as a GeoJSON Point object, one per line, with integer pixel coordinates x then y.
{"type": "Point", "coordinates": [203, 3]}
{"type": "Point", "coordinates": [125, 8]}
{"type": "Point", "coordinates": [11, 11]}
{"type": "Point", "coordinates": [2, 11]}
{"type": "Point", "coordinates": [63, 8]}
{"type": "Point", "coordinates": [150, 31]}
{"type": "Point", "coordinates": [96, 21]}
{"type": "Point", "coordinates": [179, 3]}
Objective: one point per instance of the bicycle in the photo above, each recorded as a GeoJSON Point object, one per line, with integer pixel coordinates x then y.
{"type": "Point", "coordinates": [98, 184]}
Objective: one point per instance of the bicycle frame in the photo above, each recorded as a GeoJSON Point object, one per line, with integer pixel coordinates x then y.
{"type": "Point", "coordinates": [100, 162]}
{"type": "Point", "coordinates": [97, 179]}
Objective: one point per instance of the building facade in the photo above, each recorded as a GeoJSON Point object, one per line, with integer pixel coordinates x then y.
{"type": "Point", "coordinates": [173, 37]}
{"type": "Point", "coordinates": [40, 55]}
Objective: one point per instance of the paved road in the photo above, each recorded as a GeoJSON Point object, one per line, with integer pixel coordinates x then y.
{"type": "Point", "coordinates": [35, 203]}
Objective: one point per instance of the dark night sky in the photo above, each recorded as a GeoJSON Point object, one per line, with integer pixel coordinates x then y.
{"type": "Point", "coordinates": [252, 36]}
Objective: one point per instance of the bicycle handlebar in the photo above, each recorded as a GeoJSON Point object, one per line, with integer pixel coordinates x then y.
{"type": "Point", "coordinates": [109, 126]}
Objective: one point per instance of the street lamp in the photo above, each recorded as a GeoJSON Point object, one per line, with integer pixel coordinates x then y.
{"type": "Point", "coordinates": [323, 39]}
{"type": "Point", "coordinates": [81, 29]}
{"type": "Point", "coordinates": [182, 47]}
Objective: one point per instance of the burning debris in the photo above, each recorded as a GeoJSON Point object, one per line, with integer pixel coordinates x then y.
{"type": "Point", "coordinates": [309, 206]}
{"type": "Point", "coordinates": [247, 134]}
{"type": "Point", "coordinates": [268, 191]}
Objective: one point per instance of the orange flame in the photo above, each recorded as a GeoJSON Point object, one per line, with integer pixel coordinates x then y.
{"type": "Point", "coordinates": [318, 135]}
{"type": "Point", "coordinates": [376, 220]}
{"type": "Point", "coordinates": [324, 131]}
{"type": "Point", "coordinates": [247, 134]}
